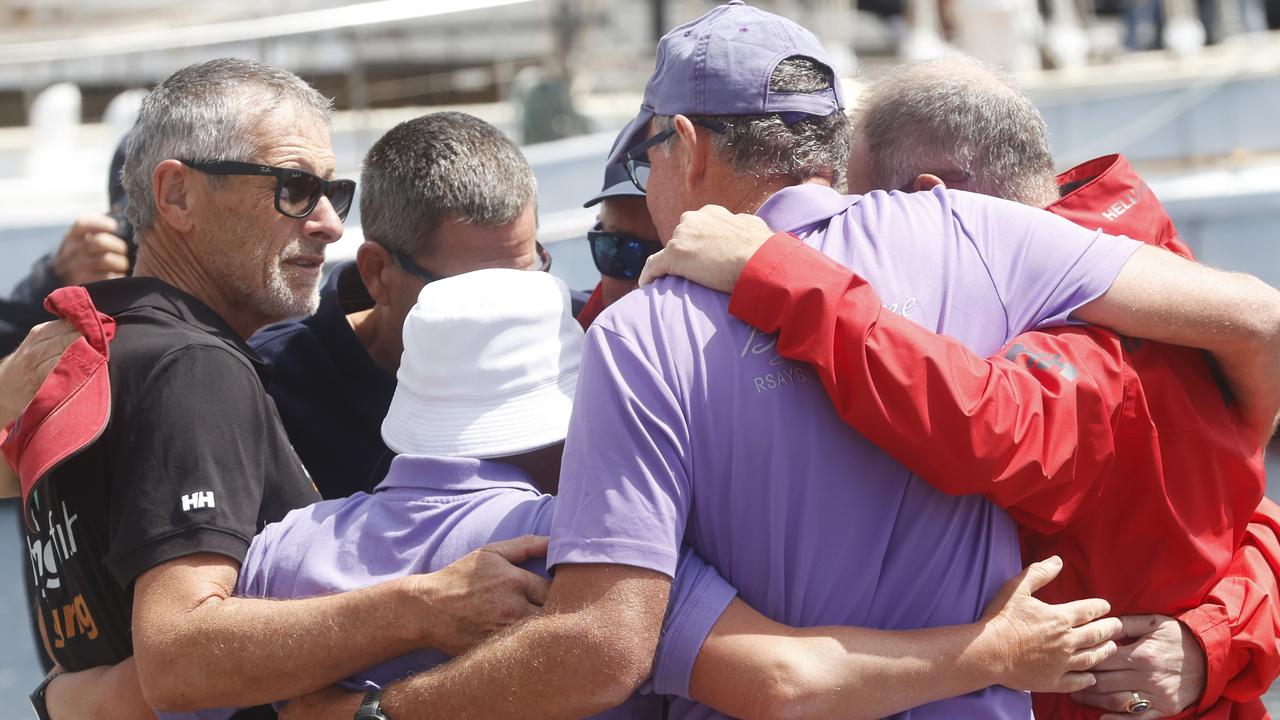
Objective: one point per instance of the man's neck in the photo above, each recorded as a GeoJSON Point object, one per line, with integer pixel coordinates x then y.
{"type": "Point", "coordinates": [747, 199]}
{"type": "Point", "coordinates": [167, 256]}
{"type": "Point", "coordinates": [379, 340]}
{"type": "Point", "coordinates": [612, 289]}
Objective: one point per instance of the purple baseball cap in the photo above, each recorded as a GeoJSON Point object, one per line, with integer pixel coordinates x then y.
{"type": "Point", "coordinates": [720, 64]}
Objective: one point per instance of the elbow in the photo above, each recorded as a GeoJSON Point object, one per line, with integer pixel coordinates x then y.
{"type": "Point", "coordinates": [617, 659]}
{"type": "Point", "coordinates": [792, 691]}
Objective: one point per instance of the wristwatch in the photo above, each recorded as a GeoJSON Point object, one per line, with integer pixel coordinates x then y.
{"type": "Point", "coordinates": [37, 697]}
{"type": "Point", "coordinates": [370, 709]}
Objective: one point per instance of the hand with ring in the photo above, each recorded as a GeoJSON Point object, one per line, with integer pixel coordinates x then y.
{"type": "Point", "coordinates": [1158, 675]}
{"type": "Point", "coordinates": [1136, 705]}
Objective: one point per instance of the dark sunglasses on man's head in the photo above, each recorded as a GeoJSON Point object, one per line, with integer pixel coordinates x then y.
{"type": "Point", "coordinates": [407, 264]}
{"type": "Point", "coordinates": [619, 255]}
{"type": "Point", "coordinates": [638, 157]}
{"type": "Point", "coordinates": [297, 191]}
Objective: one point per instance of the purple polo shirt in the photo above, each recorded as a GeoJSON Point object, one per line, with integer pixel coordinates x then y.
{"type": "Point", "coordinates": [430, 511]}
{"type": "Point", "coordinates": [689, 426]}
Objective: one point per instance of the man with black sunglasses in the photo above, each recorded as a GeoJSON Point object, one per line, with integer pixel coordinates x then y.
{"type": "Point", "coordinates": [442, 194]}
{"type": "Point", "coordinates": [137, 536]}
{"type": "Point", "coordinates": [622, 239]}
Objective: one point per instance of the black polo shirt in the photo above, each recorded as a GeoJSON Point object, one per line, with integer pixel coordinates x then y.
{"type": "Point", "coordinates": [193, 460]}
{"type": "Point", "coordinates": [331, 395]}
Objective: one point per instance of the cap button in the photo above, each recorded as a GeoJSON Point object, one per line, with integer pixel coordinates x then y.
{"type": "Point", "coordinates": [736, 2]}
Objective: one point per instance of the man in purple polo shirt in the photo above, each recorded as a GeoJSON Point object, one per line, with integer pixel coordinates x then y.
{"type": "Point", "coordinates": [691, 428]}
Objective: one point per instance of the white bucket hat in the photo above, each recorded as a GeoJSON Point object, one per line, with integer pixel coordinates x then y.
{"type": "Point", "coordinates": [489, 368]}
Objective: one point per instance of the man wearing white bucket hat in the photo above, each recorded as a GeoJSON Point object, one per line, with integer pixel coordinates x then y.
{"type": "Point", "coordinates": [478, 420]}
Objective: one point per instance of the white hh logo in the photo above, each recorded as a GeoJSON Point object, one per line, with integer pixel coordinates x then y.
{"type": "Point", "coordinates": [1121, 206]}
{"type": "Point", "coordinates": [197, 501]}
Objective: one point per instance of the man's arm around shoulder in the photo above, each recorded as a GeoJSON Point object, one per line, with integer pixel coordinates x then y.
{"type": "Point", "coordinates": [198, 646]}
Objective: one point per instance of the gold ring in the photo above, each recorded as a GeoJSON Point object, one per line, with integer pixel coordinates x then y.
{"type": "Point", "coordinates": [1137, 704]}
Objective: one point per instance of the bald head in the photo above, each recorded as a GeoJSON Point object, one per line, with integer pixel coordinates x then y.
{"type": "Point", "coordinates": [964, 121]}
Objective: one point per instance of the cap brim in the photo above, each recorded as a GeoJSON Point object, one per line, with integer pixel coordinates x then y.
{"type": "Point", "coordinates": [633, 133]}
{"type": "Point", "coordinates": [625, 188]}
{"type": "Point", "coordinates": [76, 420]}
{"type": "Point", "coordinates": [495, 427]}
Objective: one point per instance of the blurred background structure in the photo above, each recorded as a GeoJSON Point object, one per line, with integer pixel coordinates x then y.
{"type": "Point", "coordinates": [1188, 89]}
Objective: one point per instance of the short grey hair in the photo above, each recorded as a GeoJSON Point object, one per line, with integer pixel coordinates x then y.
{"type": "Point", "coordinates": [208, 111]}
{"type": "Point", "coordinates": [766, 145]}
{"type": "Point", "coordinates": [956, 116]}
{"type": "Point", "coordinates": [445, 166]}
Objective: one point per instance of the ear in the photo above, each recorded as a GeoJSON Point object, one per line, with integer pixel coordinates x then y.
{"type": "Point", "coordinates": [691, 152]}
{"type": "Point", "coordinates": [376, 266]}
{"type": "Point", "coordinates": [176, 193]}
{"type": "Point", "coordinates": [925, 181]}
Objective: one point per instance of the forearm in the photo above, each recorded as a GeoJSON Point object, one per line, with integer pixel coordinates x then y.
{"type": "Point", "coordinates": [588, 652]}
{"type": "Point", "coordinates": [1160, 296]}
{"type": "Point", "coordinates": [771, 670]}
{"type": "Point", "coordinates": [110, 692]}
{"type": "Point", "coordinates": [238, 651]}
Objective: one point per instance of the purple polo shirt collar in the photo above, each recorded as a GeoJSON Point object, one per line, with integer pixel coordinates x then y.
{"type": "Point", "coordinates": [452, 475]}
{"type": "Point", "coordinates": [800, 206]}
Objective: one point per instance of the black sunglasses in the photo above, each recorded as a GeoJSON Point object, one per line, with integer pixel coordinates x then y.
{"type": "Point", "coordinates": [297, 191]}
{"type": "Point", "coordinates": [407, 264]}
{"type": "Point", "coordinates": [620, 255]}
{"type": "Point", "coordinates": [638, 156]}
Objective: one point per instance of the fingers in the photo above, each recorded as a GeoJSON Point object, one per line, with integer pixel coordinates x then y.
{"type": "Point", "coordinates": [57, 334]}
{"type": "Point", "coordinates": [1139, 625]}
{"type": "Point", "coordinates": [1085, 659]}
{"type": "Point", "coordinates": [1038, 574]}
{"type": "Point", "coordinates": [654, 267]}
{"type": "Point", "coordinates": [45, 344]}
{"type": "Point", "coordinates": [1095, 633]}
{"type": "Point", "coordinates": [1080, 612]}
{"type": "Point", "coordinates": [89, 224]}
{"type": "Point", "coordinates": [1122, 660]}
{"type": "Point", "coordinates": [521, 549]}
{"type": "Point", "coordinates": [104, 243]}
{"type": "Point", "coordinates": [535, 588]}
{"type": "Point", "coordinates": [1072, 682]}
{"type": "Point", "coordinates": [1113, 701]}
{"type": "Point", "coordinates": [1113, 681]}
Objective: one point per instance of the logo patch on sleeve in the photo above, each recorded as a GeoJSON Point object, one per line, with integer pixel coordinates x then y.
{"type": "Point", "coordinates": [197, 501]}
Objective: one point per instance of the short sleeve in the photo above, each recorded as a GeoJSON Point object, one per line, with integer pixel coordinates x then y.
{"type": "Point", "coordinates": [190, 473]}
{"type": "Point", "coordinates": [624, 494]}
{"type": "Point", "coordinates": [699, 597]}
{"type": "Point", "coordinates": [1044, 267]}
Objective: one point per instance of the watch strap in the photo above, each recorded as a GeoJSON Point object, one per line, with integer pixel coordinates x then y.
{"type": "Point", "coordinates": [371, 707]}
{"type": "Point", "coordinates": [38, 703]}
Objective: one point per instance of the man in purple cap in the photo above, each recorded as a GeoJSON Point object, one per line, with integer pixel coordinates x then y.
{"type": "Point", "coordinates": [691, 428]}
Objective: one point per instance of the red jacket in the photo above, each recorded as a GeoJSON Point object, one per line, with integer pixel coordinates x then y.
{"type": "Point", "coordinates": [1125, 457]}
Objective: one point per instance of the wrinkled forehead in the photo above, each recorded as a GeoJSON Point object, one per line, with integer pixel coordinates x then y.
{"type": "Point", "coordinates": [292, 136]}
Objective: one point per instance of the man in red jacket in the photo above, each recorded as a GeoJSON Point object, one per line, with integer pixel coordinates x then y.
{"type": "Point", "coordinates": [1128, 458]}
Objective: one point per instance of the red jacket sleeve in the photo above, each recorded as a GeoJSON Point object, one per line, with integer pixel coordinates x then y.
{"type": "Point", "coordinates": [1238, 624]}
{"type": "Point", "coordinates": [1032, 431]}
